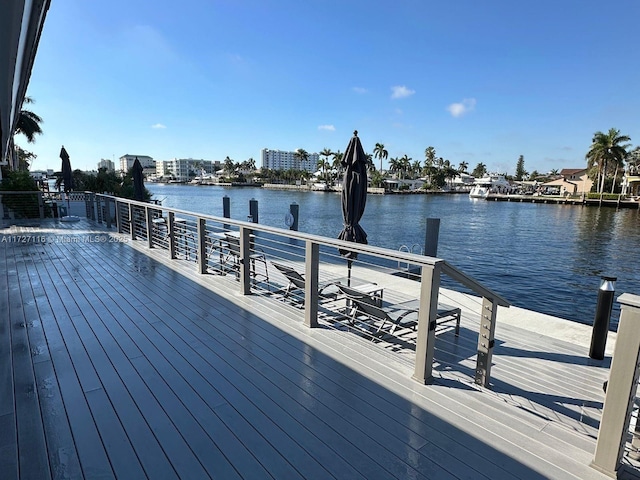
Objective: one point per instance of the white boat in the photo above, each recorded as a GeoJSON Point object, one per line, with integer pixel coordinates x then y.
{"type": "Point", "coordinates": [492, 183]}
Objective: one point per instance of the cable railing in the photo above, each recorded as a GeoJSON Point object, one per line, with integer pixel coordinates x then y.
{"type": "Point", "coordinates": [366, 294]}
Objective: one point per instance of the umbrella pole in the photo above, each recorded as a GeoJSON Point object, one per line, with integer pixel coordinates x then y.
{"type": "Point", "coordinates": [349, 273]}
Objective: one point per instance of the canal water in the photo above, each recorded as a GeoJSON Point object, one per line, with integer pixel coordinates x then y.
{"type": "Point", "coordinates": [546, 258]}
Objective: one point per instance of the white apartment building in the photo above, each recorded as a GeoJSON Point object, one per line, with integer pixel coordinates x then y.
{"type": "Point", "coordinates": [108, 164]}
{"type": "Point", "coordinates": [184, 169]}
{"type": "Point", "coordinates": [126, 162]}
{"type": "Point", "coordinates": [281, 160]}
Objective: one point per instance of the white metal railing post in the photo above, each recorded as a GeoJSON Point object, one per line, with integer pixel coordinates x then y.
{"type": "Point", "coordinates": [486, 341]}
{"type": "Point", "coordinates": [621, 389]}
{"type": "Point", "coordinates": [107, 204]}
{"type": "Point", "coordinates": [312, 261]}
{"type": "Point", "coordinates": [40, 205]}
{"type": "Point", "coordinates": [202, 245]}
{"type": "Point", "coordinates": [245, 261]}
{"type": "Point", "coordinates": [119, 217]}
{"type": "Point", "coordinates": [171, 227]}
{"type": "Point", "coordinates": [99, 209]}
{"type": "Point", "coordinates": [427, 314]}
{"type": "Point", "coordinates": [93, 206]}
{"type": "Point", "coordinates": [149, 218]}
{"type": "Point", "coordinates": [132, 222]}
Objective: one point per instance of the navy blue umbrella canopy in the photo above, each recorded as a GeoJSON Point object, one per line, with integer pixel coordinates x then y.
{"type": "Point", "coordinates": [354, 194]}
{"type": "Point", "coordinates": [138, 181]}
{"type": "Point", "coordinates": [67, 173]}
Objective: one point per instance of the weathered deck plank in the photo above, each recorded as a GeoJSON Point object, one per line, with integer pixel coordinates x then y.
{"type": "Point", "coordinates": [142, 368]}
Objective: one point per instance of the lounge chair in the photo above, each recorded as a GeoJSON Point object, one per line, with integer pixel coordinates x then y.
{"type": "Point", "coordinates": [388, 320]}
{"type": "Point", "coordinates": [297, 282]}
{"type": "Point", "coordinates": [230, 255]}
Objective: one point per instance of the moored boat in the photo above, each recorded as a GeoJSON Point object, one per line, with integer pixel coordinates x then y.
{"type": "Point", "coordinates": [492, 183]}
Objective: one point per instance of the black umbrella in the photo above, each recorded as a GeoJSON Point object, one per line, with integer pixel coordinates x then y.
{"type": "Point", "coordinates": [354, 197]}
{"type": "Point", "coordinates": [138, 182]}
{"type": "Point", "coordinates": [67, 175]}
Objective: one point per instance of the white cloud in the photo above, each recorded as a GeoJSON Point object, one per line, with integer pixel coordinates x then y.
{"type": "Point", "coordinates": [329, 128]}
{"type": "Point", "coordinates": [158, 126]}
{"type": "Point", "coordinates": [400, 91]}
{"type": "Point", "coordinates": [462, 108]}
{"type": "Point", "coordinates": [360, 90]}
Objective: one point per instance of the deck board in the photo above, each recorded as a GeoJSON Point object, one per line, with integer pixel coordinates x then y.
{"type": "Point", "coordinates": [131, 365]}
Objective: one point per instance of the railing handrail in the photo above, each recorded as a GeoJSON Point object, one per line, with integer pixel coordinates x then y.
{"type": "Point", "coordinates": [394, 255]}
{"type": "Point", "coordinates": [22, 192]}
{"type": "Point", "coordinates": [473, 284]}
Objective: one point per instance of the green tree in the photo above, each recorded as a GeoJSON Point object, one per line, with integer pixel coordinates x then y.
{"type": "Point", "coordinates": [462, 167]}
{"type": "Point", "coordinates": [607, 153]}
{"type": "Point", "coordinates": [429, 156]}
{"type": "Point", "coordinates": [21, 205]}
{"type": "Point", "coordinates": [479, 171]}
{"type": "Point", "coordinates": [28, 123]}
{"type": "Point", "coordinates": [377, 180]}
{"type": "Point", "coordinates": [521, 173]}
{"type": "Point", "coordinates": [380, 153]}
{"type": "Point", "coordinates": [229, 166]}
{"type": "Point", "coordinates": [24, 158]}
{"type": "Point", "coordinates": [301, 155]}
{"type": "Point", "coordinates": [405, 167]}
{"type": "Point", "coordinates": [395, 165]}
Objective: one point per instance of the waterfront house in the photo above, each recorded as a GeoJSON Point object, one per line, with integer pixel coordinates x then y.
{"type": "Point", "coordinates": [631, 182]}
{"type": "Point", "coordinates": [574, 181]}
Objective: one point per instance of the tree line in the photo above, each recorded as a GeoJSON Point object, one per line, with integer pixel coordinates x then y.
{"type": "Point", "coordinates": [608, 158]}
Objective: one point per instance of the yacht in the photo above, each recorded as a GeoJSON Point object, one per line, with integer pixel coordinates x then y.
{"type": "Point", "coordinates": [492, 183]}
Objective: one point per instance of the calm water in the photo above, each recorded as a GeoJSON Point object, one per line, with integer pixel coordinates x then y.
{"type": "Point", "coordinates": [547, 258]}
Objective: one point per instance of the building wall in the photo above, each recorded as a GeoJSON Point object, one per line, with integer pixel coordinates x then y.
{"type": "Point", "coordinates": [108, 164]}
{"type": "Point", "coordinates": [183, 169]}
{"type": "Point", "coordinates": [282, 160]}
{"type": "Point", "coordinates": [126, 162]}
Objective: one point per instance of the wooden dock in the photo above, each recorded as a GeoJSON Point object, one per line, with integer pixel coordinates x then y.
{"type": "Point", "coordinates": [116, 362]}
{"type": "Point", "coordinates": [562, 200]}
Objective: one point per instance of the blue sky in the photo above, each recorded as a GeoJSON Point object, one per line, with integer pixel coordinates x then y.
{"type": "Point", "coordinates": [479, 81]}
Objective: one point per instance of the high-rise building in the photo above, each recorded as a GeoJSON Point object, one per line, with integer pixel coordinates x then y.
{"type": "Point", "coordinates": [107, 164]}
{"type": "Point", "coordinates": [183, 169]}
{"type": "Point", "coordinates": [281, 160]}
{"type": "Point", "coordinates": [126, 162]}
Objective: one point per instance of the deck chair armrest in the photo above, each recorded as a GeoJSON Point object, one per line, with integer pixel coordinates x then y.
{"type": "Point", "coordinates": [404, 314]}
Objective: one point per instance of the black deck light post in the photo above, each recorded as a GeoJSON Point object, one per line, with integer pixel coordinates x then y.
{"type": "Point", "coordinates": [602, 317]}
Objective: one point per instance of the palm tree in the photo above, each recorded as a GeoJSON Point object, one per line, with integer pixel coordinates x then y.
{"type": "Point", "coordinates": [337, 161]}
{"type": "Point", "coordinates": [395, 165]}
{"type": "Point", "coordinates": [606, 152]}
{"type": "Point", "coordinates": [480, 170]}
{"type": "Point", "coordinates": [416, 168]}
{"type": "Point", "coordinates": [405, 163]}
{"type": "Point", "coordinates": [326, 153]}
{"type": "Point", "coordinates": [380, 153]}
{"type": "Point", "coordinates": [28, 123]}
{"type": "Point", "coordinates": [370, 165]}
{"type": "Point", "coordinates": [462, 167]}
{"type": "Point", "coordinates": [429, 156]}
{"type": "Point", "coordinates": [229, 166]}
{"type": "Point", "coordinates": [323, 164]}
{"type": "Point", "coordinates": [302, 156]}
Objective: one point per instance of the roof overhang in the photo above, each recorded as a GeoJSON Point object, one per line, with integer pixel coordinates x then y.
{"type": "Point", "coordinates": [21, 25]}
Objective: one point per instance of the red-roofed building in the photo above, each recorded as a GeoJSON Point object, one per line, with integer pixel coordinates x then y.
{"type": "Point", "coordinates": [572, 181]}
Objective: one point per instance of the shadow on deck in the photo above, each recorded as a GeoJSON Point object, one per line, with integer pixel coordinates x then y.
{"type": "Point", "coordinates": [114, 363]}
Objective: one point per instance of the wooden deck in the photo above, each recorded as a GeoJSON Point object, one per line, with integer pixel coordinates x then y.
{"type": "Point", "coordinates": [115, 362]}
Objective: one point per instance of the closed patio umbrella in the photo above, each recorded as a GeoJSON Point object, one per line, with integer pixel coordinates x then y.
{"type": "Point", "coordinates": [138, 181]}
{"type": "Point", "coordinates": [354, 197]}
{"type": "Point", "coordinates": [67, 179]}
